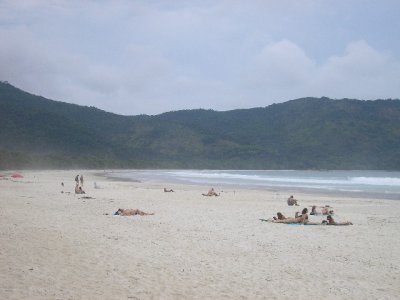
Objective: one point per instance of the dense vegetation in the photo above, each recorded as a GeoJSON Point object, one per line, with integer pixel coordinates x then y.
{"type": "Point", "coordinates": [308, 133]}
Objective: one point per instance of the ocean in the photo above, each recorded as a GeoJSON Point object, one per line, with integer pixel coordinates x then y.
{"type": "Point", "coordinates": [380, 184]}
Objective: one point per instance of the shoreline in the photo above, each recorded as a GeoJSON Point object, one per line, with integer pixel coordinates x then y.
{"type": "Point", "coordinates": [273, 189]}
{"type": "Point", "coordinates": [59, 245]}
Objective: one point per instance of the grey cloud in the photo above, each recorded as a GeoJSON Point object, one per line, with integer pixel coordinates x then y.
{"type": "Point", "coordinates": [137, 57]}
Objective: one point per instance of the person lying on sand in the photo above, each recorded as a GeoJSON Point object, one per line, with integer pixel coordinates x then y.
{"type": "Point", "coordinates": [131, 212]}
{"type": "Point", "coordinates": [168, 191]}
{"type": "Point", "coordinates": [279, 216]}
{"type": "Point", "coordinates": [303, 218]}
{"type": "Point", "coordinates": [291, 201]}
{"type": "Point", "coordinates": [211, 192]}
{"type": "Point", "coordinates": [303, 215]}
{"type": "Point", "coordinates": [325, 210]}
{"type": "Point", "coordinates": [331, 221]}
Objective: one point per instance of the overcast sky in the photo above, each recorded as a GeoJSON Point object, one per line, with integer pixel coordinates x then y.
{"type": "Point", "coordinates": [148, 57]}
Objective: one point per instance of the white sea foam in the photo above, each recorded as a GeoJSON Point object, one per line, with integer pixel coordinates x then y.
{"type": "Point", "coordinates": [369, 182]}
{"type": "Point", "coordinates": [389, 181]}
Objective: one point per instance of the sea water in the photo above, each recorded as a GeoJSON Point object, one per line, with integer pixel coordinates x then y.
{"type": "Point", "coordinates": [382, 184]}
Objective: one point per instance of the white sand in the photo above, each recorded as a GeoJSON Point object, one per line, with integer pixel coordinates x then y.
{"type": "Point", "coordinates": [60, 246]}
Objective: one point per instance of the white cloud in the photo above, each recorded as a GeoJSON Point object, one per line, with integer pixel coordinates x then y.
{"type": "Point", "coordinates": [284, 71]}
{"type": "Point", "coordinates": [283, 63]}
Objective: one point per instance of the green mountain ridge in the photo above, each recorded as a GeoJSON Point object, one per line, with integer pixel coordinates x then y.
{"type": "Point", "coordinates": [307, 133]}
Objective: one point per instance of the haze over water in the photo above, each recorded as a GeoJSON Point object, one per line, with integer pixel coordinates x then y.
{"type": "Point", "coordinates": [352, 183]}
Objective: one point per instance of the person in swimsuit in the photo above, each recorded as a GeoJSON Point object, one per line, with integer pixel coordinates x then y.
{"type": "Point", "coordinates": [279, 216]}
{"type": "Point", "coordinates": [131, 212]}
{"type": "Point", "coordinates": [291, 201]}
{"type": "Point", "coordinates": [325, 210]}
{"type": "Point", "coordinates": [77, 189]}
{"type": "Point", "coordinates": [211, 192]}
{"type": "Point", "coordinates": [303, 218]}
{"type": "Point", "coordinates": [331, 221]}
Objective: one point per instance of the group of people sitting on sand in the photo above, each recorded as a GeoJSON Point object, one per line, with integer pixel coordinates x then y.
{"type": "Point", "coordinates": [303, 217]}
{"type": "Point", "coordinates": [280, 218]}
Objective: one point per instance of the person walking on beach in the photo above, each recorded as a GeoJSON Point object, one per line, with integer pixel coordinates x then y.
{"type": "Point", "coordinates": [81, 180]}
{"type": "Point", "coordinates": [77, 179]}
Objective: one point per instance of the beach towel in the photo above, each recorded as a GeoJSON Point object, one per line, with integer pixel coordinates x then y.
{"type": "Point", "coordinates": [301, 224]}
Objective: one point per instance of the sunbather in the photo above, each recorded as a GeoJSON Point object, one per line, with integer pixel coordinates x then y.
{"type": "Point", "coordinates": [279, 216]}
{"type": "Point", "coordinates": [168, 191]}
{"type": "Point", "coordinates": [303, 218]}
{"type": "Point", "coordinates": [131, 212]}
{"type": "Point", "coordinates": [331, 221]}
{"type": "Point", "coordinates": [211, 192]}
{"type": "Point", "coordinates": [325, 210]}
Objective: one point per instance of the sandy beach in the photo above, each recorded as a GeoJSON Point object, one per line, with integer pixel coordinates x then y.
{"type": "Point", "coordinates": [57, 245]}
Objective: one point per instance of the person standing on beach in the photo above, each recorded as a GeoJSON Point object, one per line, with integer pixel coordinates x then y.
{"type": "Point", "coordinates": [77, 179]}
{"type": "Point", "coordinates": [81, 180]}
{"type": "Point", "coordinates": [77, 188]}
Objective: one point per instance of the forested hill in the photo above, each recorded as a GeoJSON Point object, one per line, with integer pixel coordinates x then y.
{"type": "Point", "coordinates": [308, 133]}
